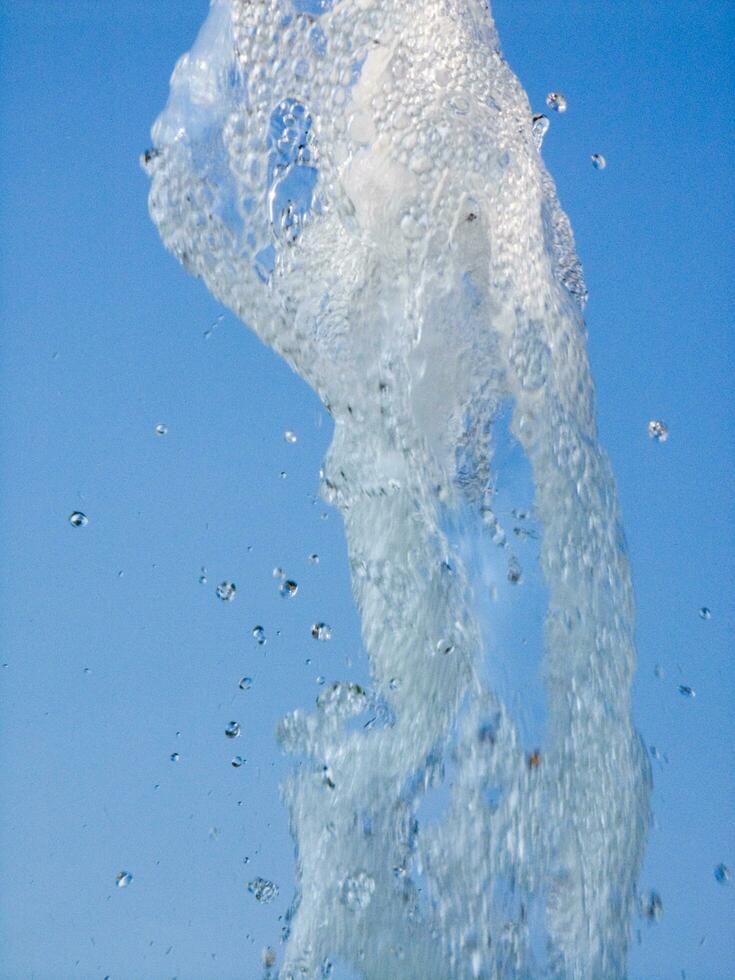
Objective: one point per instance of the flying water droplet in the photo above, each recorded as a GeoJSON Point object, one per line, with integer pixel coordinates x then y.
{"type": "Point", "coordinates": [705, 613]}
{"type": "Point", "coordinates": [598, 161]}
{"type": "Point", "coordinates": [161, 429]}
{"type": "Point", "coordinates": [123, 879]}
{"type": "Point", "coordinates": [658, 430]}
{"type": "Point", "coordinates": [289, 588]}
{"type": "Point", "coordinates": [514, 571]}
{"type": "Point", "coordinates": [290, 436]}
{"type": "Point", "coordinates": [686, 691]}
{"type": "Point", "coordinates": [203, 576]}
{"type": "Point", "coordinates": [174, 756]}
{"type": "Point", "coordinates": [226, 591]}
{"type": "Point", "coordinates": [314, 558]}
{"type": "Point", "coordinates": [78, 519]}
{"type": "Point", "coordinates": [722, 874]}
{"type": "Point", "coordinates": [246, 683]}
{"type": "Point", "coordinates": [539, 128]}
{"type": "Point", "coordinates": [263, 890]}
{"type": "Point", "coordinates": [556, 101]}
{"type": "Point", "coordinates": [278, 572]}
{"type": "Point", "coordinates": [321, 631]}
{"type": "Point", "coordinates": [232, 730]}
{"type": "Point", "coordinates": [651, 906]}
{"type": "Point", "coordinates": [357, 891]}
{"type": "Point", "coordinates": [259, 635]}
{"type": "Point", "coordinates": [237, 761]}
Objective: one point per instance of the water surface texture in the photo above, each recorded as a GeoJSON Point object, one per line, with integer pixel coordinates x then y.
{"type": "Point", "coordinates": [361, 183]}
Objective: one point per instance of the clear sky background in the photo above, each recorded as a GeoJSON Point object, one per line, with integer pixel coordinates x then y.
{"type": "Point", "coordinates": [114, 655]}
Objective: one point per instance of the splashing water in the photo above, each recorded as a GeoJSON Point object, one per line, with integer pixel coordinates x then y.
{"type": "Point", "coordinates": [360, 181]}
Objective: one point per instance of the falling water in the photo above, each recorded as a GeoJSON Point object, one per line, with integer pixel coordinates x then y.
{"type": "Point", "coordinates": [361, 182]}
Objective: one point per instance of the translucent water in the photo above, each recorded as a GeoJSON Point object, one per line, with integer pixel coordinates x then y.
{"type": "Point", "coordinates": [360, 181]}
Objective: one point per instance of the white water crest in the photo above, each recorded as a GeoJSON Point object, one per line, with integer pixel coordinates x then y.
{"type": "Point", "coordinates": [360, 181]}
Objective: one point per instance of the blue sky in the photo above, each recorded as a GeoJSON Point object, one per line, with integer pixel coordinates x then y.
{"type": "Point", "coordinates": [104, 337]}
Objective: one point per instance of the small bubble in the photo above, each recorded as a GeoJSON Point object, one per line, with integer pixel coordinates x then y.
{"type": "Point", "coordinates": [161, 429]}
{"type": "Point", "coordinates": [705, 613]}
{"type": "Point", "coordinates": [556, 101]}
{"type": "Point", "coordinates": [123, 879]}
{"type": "Point", "coordinates": [651, 906]}
{"type": "Point", "coordinates": [314, 558]}
{"type": "Point", "coordinates": [226, 591]}
{"type": "Point", "coordinates": [78, 519]}
{"type": "Point", "coordinates": [288, 589]}
{"type": "Point", "coordinates": [357, 891]}
{"type": "Point", "coordinates": [321, 631]}
{"type": "Point", "coordinates": [658, 430]}
{"type": "Point", "coordinates": [722, 874]}
{"type": "Point", "coordinates": [259, 635]}
{"type": "Point", "coordinates": [174, 756]}
{"type": "Point", "coordinates": [237, 761]}
{"type": "Point", "coordinates": [246, 683]}
{"type": "Point", "coordinates": [445, 647]}
{"type": "Point", "coordinates": [290, 436]}
{"type": "Point", "coordinates": [687, 692]}
{"type": "Point", "coordinates": [598, 161]}
{"type": "Point", "coordinates": [232, 730]}
{"type": "Point", "coordinates": [263, 890]}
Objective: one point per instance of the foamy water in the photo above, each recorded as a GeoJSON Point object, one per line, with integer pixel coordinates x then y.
{"type": "Point", "coordinates": [361, 182]}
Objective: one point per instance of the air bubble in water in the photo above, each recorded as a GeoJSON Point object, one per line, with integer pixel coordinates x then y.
{"type": "Point", "coordinates": [598, 161]}
{"type": "Point", "coordinates": [237, 761]}
{"type": "Point", "coordinates": [78, 519]}
{"type": "Point", "coordinates": [290, 436]}
{"type": "Point", "coordinates": [357, 891]}
{"type": "Point", "coordinates": [246, 683]}
{"type": "Point", "coordinates": [123, 879]}
{"type": "Point", "coordinates": [232, 730]}
{"type": "Point", "coordinates": [705, 613]}
{"type": "Point", "coordinates": [226, 591]}
{"type": "Point", "coordinates": [658, 430]}
{"type": "Point", "coordinates": [263, 890]}
{"type": "Point", "coordinates": [289, 588]}
{"type": "Point", "coordinates": [259, 635]}
{"type": "Point", "coordinates": [161, 429]}
{"type": "Point", "coordinates": [722, 874]}
{"type": "Point", "coordinates": [321, 631]}
{"type": "Point", "coordinates": [556, 101]}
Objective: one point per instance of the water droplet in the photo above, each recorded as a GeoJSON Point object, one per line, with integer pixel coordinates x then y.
{"type": "Point", "coordinates": [237, 761]}
{"type": "Point", "coordinates": [161, 429]}
{"type": "Point", "coordinates": [556, 101]}
{"type": "Point", "coordinates": [203, 576]}
{"type": "Point", "coordinates": [722, 874]}
{"type": "Point", "coordinates": [232, 730]}
{"type": "Point", "coordinates": [658, 430]}
{"type": "Point", "coordinates": [226, 591]}
{"type": "Point", "coordinates": [278, 572]}
{"type": "Point", "coordinates": [320, 679]}
{"type": "Point", "coordinates": [445, 647]}
{"type": "Point", "coordinates": [651, 906]}
{"type": "Point", "coordinates": [705, 613]}
{"type": "Point", "coordinates": [598, 161]}
{"type": "Point", "coordinates": [314, 558]}
{"type": "Point", "coordinates": [394, 684]}
{"type": "Point", "coordinates": [289, 588]}
{"type": "Point", "coordinates": [263, 890]}
{"type": "Point", "coordinates": [290, 436]}
{"type": "Point", "coordinates": [175, 757]}
{"type": "Point", "coordinates": [246, 683]}
{"type": "Point", "coordinates": [357, 891]}
{"type": "Point", "coordinates": [78, 519]}
{"type": "Point", "coordinates": [283, 474]}
{"type": "Point", "coordinates": [687, 692]}
{"type": "Point", "coordinates": [514, 571]}
{"type": "Point", "coordinates": [123, 879]}
{"type": "Point", "coordinates": [259, 635]}
{"type": "Point", "coordinates": [320, 631]}
{"type": "Point", "coordinates": [539, 128]}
